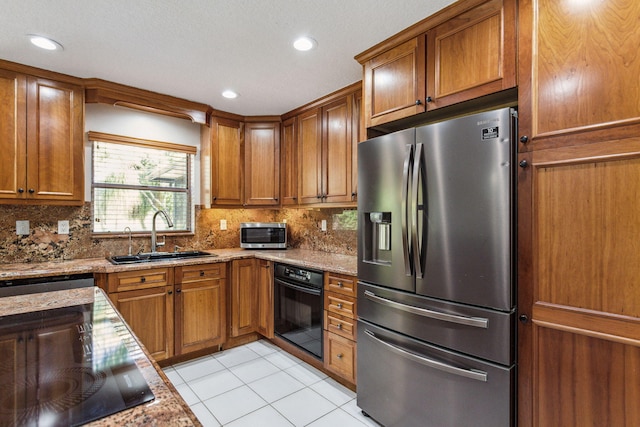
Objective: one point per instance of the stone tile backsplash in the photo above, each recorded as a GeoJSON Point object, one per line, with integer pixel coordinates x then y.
{"type": "Point", "coordinates": [44, 243]}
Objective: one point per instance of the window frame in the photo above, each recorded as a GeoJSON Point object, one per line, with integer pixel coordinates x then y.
{"type": "Point", "coordinates": [191, 151]}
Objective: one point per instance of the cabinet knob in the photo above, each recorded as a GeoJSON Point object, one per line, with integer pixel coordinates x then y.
{"type": "Point", "coordinates": [429, 99]}
{"type": "Point", "coordinates": [339, 326]}
{"type": "Point", "coordinates": [178, 291]}
{"type": "Point", "coordinates": [418, 102]}
{"type": "Point", "coordinates": [170, 293]}
{"type": "Point", "coordinates": [20, 190]}
{"type": "Point", "coordinates": [214, 198]}
{"type": "Point", "coordinates": [523, 164]}
{"type": "Point", "coordinates": [31, 191]}
{"type": "Point", "coordinates": [339, 305]}
{"type": "Point", "coordinates": [201, 273]}
{"type": "Point", "coordinates": [340, 285]}
{"type": "Point", "coordinates": [523, 318]}
{"type": "Point", "coordinates": [339, 355]}
{"type": "Point", "coordinates": [143, 279]}
{"type": "Point", "coordinates": [524, 139]}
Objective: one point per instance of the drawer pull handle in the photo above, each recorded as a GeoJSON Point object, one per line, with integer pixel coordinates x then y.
{"type": "Point", "coordinates": [340, 285]}
{"type": "Point", "coordinates": [143, 279]}
{"type": "Point", "coordinates": [339, 305]}
{"type": "Point", "coordinates": [339, 326]}
{"type": "Point", "coordinates": [340, 355]}
{"type": "Point", "coordinates": [201, 273]}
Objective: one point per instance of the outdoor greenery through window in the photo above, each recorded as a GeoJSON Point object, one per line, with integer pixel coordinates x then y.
{"type": "Point", "coordinates": [133, 179]}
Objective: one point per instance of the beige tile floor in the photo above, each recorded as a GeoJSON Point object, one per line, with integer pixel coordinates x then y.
{"type": "Point", "coordinates": [259, 384]}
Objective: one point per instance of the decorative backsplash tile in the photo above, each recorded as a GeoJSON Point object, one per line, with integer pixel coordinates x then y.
{"type": "Point", "coordinates": [45, 244]}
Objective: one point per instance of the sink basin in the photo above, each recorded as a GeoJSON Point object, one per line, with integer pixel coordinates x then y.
{"type": "Point", "coordinates": [157, 256]}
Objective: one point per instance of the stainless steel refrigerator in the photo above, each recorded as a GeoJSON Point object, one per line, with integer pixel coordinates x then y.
{"type": "Point", "coordinates": [436, 293]}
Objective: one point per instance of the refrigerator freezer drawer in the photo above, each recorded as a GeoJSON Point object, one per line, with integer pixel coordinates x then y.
{"type": "Point", "coordinates": [406, 382]}
{"type": "Point", "coordinates": [475, 331]}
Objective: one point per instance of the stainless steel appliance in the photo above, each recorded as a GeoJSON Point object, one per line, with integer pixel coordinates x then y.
{"type": "Point", "coordinates": [44, 284]}
{"type": "Point", "coordinates": [67, 367]}
{"type": "Point", "coordinates": [436, 294]}
{"type": "Point", "coordinates": [298, 307]}
{"type": "Point", "coordinates": [263, 235]}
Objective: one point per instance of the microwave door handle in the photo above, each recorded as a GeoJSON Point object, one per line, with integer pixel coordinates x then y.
{"type": "Point", "coordinates": [445, 367]}
{"type": "Point", "coordinates": [406, 242]}
{"type": "Point", "coordinates": [415, 210]}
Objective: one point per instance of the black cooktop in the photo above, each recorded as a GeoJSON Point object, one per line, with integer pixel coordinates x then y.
{"type": "Point", "coordinates": [66, 366]}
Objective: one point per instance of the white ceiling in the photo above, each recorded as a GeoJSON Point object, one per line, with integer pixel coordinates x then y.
{"type": "Point", "coordinates": [195, 49]}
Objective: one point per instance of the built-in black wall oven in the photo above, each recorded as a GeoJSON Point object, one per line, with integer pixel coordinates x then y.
{"type": "Point", "coordinates": [298, 307]}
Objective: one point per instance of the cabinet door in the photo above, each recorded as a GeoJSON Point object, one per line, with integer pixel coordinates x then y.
{"type": "Point", "coordinates": [310, 155]}
{"type": "Point", "coordinates": [55, 143]}
{"type": "Point", "coordinates": [13, 119]}
{"type": "Point", "coordinates": [13, 354]}
{"type": "Point", "coordinates": [394, 83]}
{"type": "Point", "coordinates": [579, 71]}
{"type": "Point", "coordinates": [262, 164]}
{"type": "Point", "coordinates": [337, 143]}
{"type": "Point", "coordinates": [289, 163]}
{"type": "Point", "coordinates": [357, 132]}
{"type": "Point", "coordinates": [265, 298]}
{"type": "Point", "coordinates": [244, 297]}
{"type": "Point", "coordinates": [149, 313]}
{"type": "Point", "coordinates": [227, 152]}
{"type": "Point", "coordinates": [472, 54]}
{"type": "Point", "coordinates": [200, 307]}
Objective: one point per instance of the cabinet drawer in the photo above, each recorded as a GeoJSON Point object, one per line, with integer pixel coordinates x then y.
{"type": "Point", "coordinates": [340, 356]}
{"type": "Point", "coordinates": [340, 304]}
{"type": "Point", "coordinates": [140, 279]}
{"type": "Point", "coordinates": [340, 283]}
{"type": "Point", "coordinates": [194, 273]}
{"type": "Point", "coordinates": [340, 325]}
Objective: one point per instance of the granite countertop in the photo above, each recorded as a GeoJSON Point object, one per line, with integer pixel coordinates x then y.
{"type": "Point", "coordinates": [168, 407]}
{"type": "Point", "coordinates": [336, 263]}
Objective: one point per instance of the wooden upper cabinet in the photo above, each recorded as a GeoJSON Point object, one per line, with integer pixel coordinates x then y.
{"type": "Point", "coordinates": [41, 141]}
{"type": "Point", "coordinates": [472, 54]}
{"type": "Point", "coordinates": [262, 164]}
{"type": "Point", "coordinates": [394, 85]}
{"type": "Point", "coordinates": [465, 51]}
{"type": "Point", "coordinates": [289, 162]}
{"type": "Point", "coordinates": [310, 155]}
{"type": "Point", "coordinates": [227, 153]}
{"type": "Point", "coordinates": [579, 71]}
{"type": "Point", "coordinates": [337, 146]}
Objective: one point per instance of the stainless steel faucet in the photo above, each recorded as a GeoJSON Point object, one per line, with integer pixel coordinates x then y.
{"type": "Point", "coordinates": [154, 243]}
{"type": "Point", "coordinates": [128, 229]}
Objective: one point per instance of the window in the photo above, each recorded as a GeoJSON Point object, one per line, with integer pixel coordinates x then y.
{"type": "Point", "coordinates": [132, 179]}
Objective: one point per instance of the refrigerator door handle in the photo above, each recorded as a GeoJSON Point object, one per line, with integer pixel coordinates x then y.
{"type": "Point", "coordinates": [467, 373]}
{"type": "Point", "coordinates": [478, 322]}
{"type": "Point", "coordinates": [406, 243]}
{"type": "Point", "coordinates": [415, 231]}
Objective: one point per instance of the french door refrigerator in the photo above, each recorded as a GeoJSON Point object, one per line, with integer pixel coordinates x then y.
{"type": "Point", "coordinates": [436, 294]}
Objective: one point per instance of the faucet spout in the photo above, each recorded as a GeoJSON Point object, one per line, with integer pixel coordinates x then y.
{"type": "Point", "coordinates": [154, 242]}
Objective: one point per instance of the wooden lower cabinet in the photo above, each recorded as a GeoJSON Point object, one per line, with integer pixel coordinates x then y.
{"type": "Point", "coordinates": [265, 297]}
{"type": "Point", "coordinates": [200, 306]}
{"type": "Point", "coordinates": [149, 314]}
{"type": "Point", "coordinates": [340, 325]}
{"type": "Point", "coordinates": [171, 317]}
{"type": "Point", "coordinates": [244, 297]}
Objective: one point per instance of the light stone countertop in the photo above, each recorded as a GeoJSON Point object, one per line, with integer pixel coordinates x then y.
{"type": "Point", "coordinates": [335, 263]}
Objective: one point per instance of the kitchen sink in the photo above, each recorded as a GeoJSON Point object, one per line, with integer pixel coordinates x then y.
{"type": "Point", "coordinates": [157, 256]}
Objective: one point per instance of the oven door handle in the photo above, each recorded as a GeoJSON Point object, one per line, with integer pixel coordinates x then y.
{"type": "Point", "coordinates": [311, 291]}
{"type": "Point", "coordinates": [478, 322]}
{"type": "Point", "coordinates": [467, 373]}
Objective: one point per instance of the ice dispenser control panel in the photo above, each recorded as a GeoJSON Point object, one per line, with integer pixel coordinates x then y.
{"type": "Point", "coordinates": [377, 237]}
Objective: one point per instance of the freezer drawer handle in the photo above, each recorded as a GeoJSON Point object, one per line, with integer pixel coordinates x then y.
{"type": "Point", "coordinates": [477, 322]}
{"type": "Point", "coordinates": [467, 373]}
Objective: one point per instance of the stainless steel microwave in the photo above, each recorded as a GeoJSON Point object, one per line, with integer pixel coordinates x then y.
{"type": "Point", "coordinates": [263, 235]}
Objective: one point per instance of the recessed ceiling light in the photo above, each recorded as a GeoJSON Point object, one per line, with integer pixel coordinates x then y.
{"type": "Point", "coordinates": [44, 43]}
{"type": "Point", "coordinates": [229, 94]}
{"type": "Point", "coordinates": [304, 43]}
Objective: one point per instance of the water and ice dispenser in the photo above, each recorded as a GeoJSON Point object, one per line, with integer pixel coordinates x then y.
{"type": "Point", "coordinates": [377, 237]}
